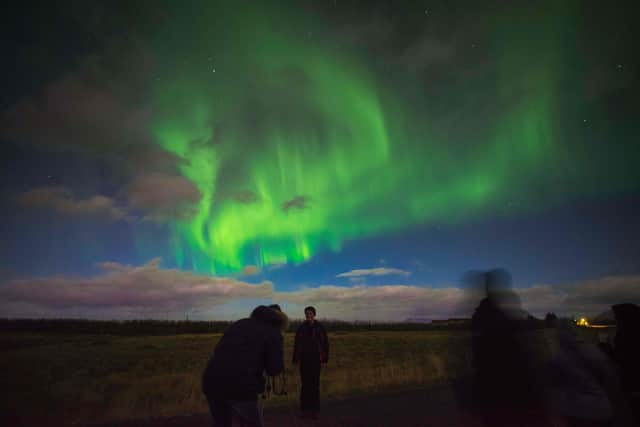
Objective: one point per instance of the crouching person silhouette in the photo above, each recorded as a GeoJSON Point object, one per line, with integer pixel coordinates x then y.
{"type": "Point", "coordinates": [234, 377]}
{"type": "Point", "coordinates": [310, 349]}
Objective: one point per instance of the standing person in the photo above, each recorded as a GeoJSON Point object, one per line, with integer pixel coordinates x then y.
{"type": "Point", "coordinates": [234, 375]}
{"type": "Point", "coordinates": [504, 391]}
{"type": "Point", "coordinates": [627, 352]}
{"type": "Point", "coordinates": [310, 349]}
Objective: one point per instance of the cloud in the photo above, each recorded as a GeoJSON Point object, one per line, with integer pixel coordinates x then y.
{"type": "Point", "coordinates": [120, 289]}
{"type": "Point", "coordinates": [595, 296]}
{"type": "Point", "coordinates": [250, 270]}
{"type": "Point", "coordinates": [244, 197]}
{"type": "Point", "coordinates": [588, 298]}
{"type": "Point", "coordinates": [124, 288]}
{"type": "Point", "coordinates": [400, 302]}
{"type": "Point", "coordinates": [6, 272]}
{"type": "Point", "coordinates": [378, 271]}
{"type": "Point", "coordinates": [99, 108]}
{"type": "Point", "coordinates": [415, 48]}
{"type": "Point", "coordinates": [298, 202]}
{"type": "Point", "coordinates": [62, 201]}
{"type": "Point", "coordinates": [157, 197]}
{"type": "Point", "coordinates": [77, 111]}
{"type": "Point", "coordinates": [427, 52]}
{"type": "Point", "coordinates": [162, 197]}
{"type": "Point", "coordinates": [376, 32]}
{"type": "Point", "coordinates": [276, 266]}
{"type": "Point", "coordinates": [378, 303]}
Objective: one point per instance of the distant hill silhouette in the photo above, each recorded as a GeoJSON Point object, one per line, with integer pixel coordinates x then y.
{"type": "Point", "coordinates": [417, 320]}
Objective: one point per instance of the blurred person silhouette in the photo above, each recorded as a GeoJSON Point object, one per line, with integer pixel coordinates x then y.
{"type": "Point", "coordinates": [310, 350]}
{"type": "Point", "coordinates": [234, 377]}
{"type": "Point", "coordinates": [505, 390]}
{"type": "Point", "coordinates": [625, 352]}
{"type": "Point", "coordinates": [584, 389]}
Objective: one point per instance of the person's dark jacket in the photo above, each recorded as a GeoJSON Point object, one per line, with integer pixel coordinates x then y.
{"type": "Point", "coordinates": [247, 349]}
{"type": "Point", "coordinates": [311, 342]}
{"type": "Point", "coordinates": [627, 344]}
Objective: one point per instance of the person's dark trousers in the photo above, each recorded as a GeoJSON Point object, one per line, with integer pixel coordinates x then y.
{"type": "Point", "coordinates": [310, 392]}
{"type": "Point", "coordinates": [223, 414]}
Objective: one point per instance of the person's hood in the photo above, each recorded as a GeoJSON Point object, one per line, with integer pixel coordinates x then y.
{"type": "Point", "coordinates": [271, 317]}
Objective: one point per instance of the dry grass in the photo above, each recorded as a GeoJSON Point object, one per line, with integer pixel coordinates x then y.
{"type": "Point", "coordinates": [98, 379]}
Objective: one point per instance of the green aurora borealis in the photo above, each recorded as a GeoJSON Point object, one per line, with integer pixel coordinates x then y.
{"type": "Point", "coordinates": [298, 142]}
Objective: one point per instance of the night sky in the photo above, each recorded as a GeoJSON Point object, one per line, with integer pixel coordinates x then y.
{"type": "Point", "coordinates": [173, 159]}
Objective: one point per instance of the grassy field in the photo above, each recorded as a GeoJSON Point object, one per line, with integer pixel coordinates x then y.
{"type": "Point", "coordinates": [93, 379]}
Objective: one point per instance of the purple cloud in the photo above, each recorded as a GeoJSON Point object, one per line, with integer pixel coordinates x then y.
{"type": "Point", "coordinates": [162, 197]}
{"type": "Point", "coordinates": [378, 271]}
{"type": "Point", "coordinates": [62, 201]}
{"type": "Point", "coordinates": [128, 287]}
